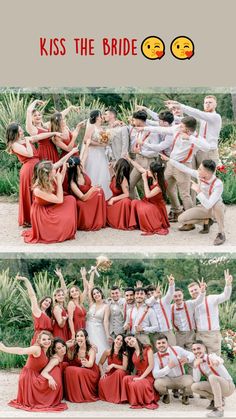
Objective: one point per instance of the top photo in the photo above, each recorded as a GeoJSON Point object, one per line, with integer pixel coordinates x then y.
{"type": "Point", "coordinates": [97, 168]}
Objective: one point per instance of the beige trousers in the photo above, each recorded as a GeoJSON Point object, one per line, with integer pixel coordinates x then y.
{"type": "Point", "coordinates": [175, 177]}
{"type": "Point", "coordinates": [198, 157]}
{"type": "Point", "coordinates": [212, 341]}
{"type": "Point", "coordinates": [185, 339]}
{"type": "Point", "coordinates": [135, 175]}
{"type": "Point", "coordinates": [184, 382]}
{"type": "Point", "coordinates": [198, 214]}
{"type": "Point", "coordinates": [214, 389]}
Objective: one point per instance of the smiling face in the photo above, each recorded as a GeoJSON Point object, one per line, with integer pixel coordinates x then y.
{"type": "Point", "coordinates": [139, 297]}
{"type": "Point", "coordinates": [161, 345]}
{"type": "Point", "coordinates": [194, 291]}
{"type": "Point", "coordinates": [80, 338]}
{"type": "Point", "coordinates": [182, 48]}
{"type": "Point", "coordinates": [115, 294]}
{"type": "Point", "coordinates": [46, 303]}
{"type": "Point", "coordinates": [198, 350]}
{"type": "Point", "coordinates": [178, 297]}
{"type": "Point", "coordinates": [97, 296]}
{"type": "Point", "coordinates": [44, 341]}
{"type": "Point", "coordinates": [129, 297]}
{"type": "Point", "coordinates": [59, 296]}
{"type": "Point", "coordinates": [153, 48]}
{"type": "Point", "coordinates": [74, 293]}
{"type": "Point", "coordinates": [118, 341]}
{"type": "Point", "coordinates": [36, 118]}
{"type": "Point", "coordinates": [131, 341]}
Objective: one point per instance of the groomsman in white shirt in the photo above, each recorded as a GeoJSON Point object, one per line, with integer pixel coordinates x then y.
{"type": "Point", "coordinates": [139, 138]}
{"type": "Point", "coordinates": [182, 316]}
{"type": "Point", "coordinates": [207, 314]}
{"type": "Point", "coordinates": [209, 191]}
{"type": "Point", "coordinates": [120, 134]}
{"type": "Point", "coordinates": [184, 145]}
{"type": "Point", "coordinates": [210, 126]}
{"type": "Point", "coordinates": [162, 308]}
{"type": "Point", "coordinates": [129, 301]}
{"type": "Point", "coordinates": [141, 319]}
{"type": "Point", "coordinates": [219, 383]}
{"type": "Point", "coordinates": [169, 370]}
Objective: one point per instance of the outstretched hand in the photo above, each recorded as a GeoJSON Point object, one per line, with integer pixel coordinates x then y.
{"type": "Point", "coordinates": [202, 285]}
{"type": "Point", "coordinates": [171, 279]}
{"type": "Point", "coordinates": [228, 277]}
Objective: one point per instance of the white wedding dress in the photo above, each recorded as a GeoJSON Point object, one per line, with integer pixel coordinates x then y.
{"type": "Point", "coordinates": [96, 166]}
{"type": "Point", "coordinates": [95, 329]}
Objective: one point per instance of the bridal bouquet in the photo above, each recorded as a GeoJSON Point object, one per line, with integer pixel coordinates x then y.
{"type": "Point", "coordinates": [105, 136]}
{"type": "Point", "coordinates": [103, 264]}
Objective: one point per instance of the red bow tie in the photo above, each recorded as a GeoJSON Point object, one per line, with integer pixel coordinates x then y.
{"type": "Point", "coordinates": [178, 309]}
{"type": "Point", "coordinates": [165, 354]}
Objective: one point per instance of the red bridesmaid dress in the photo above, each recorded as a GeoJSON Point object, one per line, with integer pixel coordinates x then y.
{"type": "Point", "coordinates": [61, 332]}
{"type": "Point", "coordinates": [46, 148]}
{"type": "Point", "coordinates": [64, 153]}
{"type": "Point", "coordinates": [150, 215]}
{"type": "Point", "coordinates": [118, 214]}
{"type": "Point", "coordinates": [91, 213]}
{"type": "Point", "coordinates": [79, 318]}
{"type": "Point", "coordinates": [140, 393]}
{"type": "Point", "coordinates": [25, 187]}
{"type": "Point", "coordinates": [52, 223]}
{"type": "Point", "coordinates": [110, 387]}
{"type": "Point", "coordinates": [44, 322]}
{"type": "Point", "coordinates": [81, 384]}
{"type": "Point", "coordinates": [34, 394]}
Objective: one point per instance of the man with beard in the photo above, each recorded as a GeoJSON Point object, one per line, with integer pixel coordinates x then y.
{"type": "Point", "coordinates": [169, 370]}
{"type": "Point", "coordinates": [219, 383]}
{"type": "Point", "coordinates": [141, 319]}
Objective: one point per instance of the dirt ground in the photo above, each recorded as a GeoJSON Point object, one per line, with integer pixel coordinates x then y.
{"type": "Point", "coordinates": [196, 409]}
{"type": "Point", "coordinates": [108, 239]}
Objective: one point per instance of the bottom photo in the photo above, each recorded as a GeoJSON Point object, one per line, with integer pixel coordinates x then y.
{"type": "Point", "coordinates": [138, 337]}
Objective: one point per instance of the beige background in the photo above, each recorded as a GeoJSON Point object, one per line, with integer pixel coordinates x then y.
{"type": "Point", "coordinates": [210, 24]}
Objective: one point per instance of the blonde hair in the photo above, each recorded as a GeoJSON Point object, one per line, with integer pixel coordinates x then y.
{"type": "Point", "coordinates": [55, 293]}
{"type": "Point", "coordinates": [192, 284]}
{"type": "Point", "coordinates": [77, 288]}
{"type": "Point", "coordinates": [44, 332]}
{"type": "Point", "coordinates": [210, 97]}
{"type": "Point", "coordinates": [55, 121]}
{"type": "Point", "coordinates": [42, 178]}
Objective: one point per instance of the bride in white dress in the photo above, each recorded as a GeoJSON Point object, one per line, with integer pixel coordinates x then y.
{"type": "Point", "coordinates": [97, 324]}
{"type": "Point", "coordinates": [96, 165]}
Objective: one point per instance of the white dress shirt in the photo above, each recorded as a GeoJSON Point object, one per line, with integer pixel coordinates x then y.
{"type": "Point", "coordinates": [210, 124]}
{"type": "Point", "coordinates": [149, 323]}
{"type": "Point", "coordinates": [183, 316]}
{"type": "Point", "coordinates": [211, 191]}
{"type": "Point", "coordinates": [205, 369]}
{"type": "Point", "coordinates": [207, 313]}
{"type": "Point", "coordinates": [146, 137]}
{"type": "Point", "coordinates": [162, 309]}
{"type": "Point", "coordinates": [177, 371]}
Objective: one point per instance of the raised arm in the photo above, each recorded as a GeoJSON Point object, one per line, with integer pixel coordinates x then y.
{"type": "Point", "coordinates": [33, 299]}
{"type": "Point", "coordinates": [71, 309]}
{"type": "Point", "coordinates": [106, 321]}
{"type": "Point", "coordinates": [54, 198]}
{"type": "Point", "coordinates": [30, 127]}
{"type": "Point", "coordinates": [25, 150]}
{"type": "Point", "coordinates": [171, 289]}
{"type": "Point", "coordinates": [85, 285]}
{"type": "Point", "coordinates": [67, 110]}
{"type": "Point", "coordinates": [226, 294]}
{"type": "Point", "coordinates": [64, 159]}
{"type": "Point", "coordinates": [34, 350]}
{"type": "Point", "coordinates": [60, 276]}
{"type": "Point", "coordinates": [148, 192]}
{"type": "Point", "coordinates": [135, 164]}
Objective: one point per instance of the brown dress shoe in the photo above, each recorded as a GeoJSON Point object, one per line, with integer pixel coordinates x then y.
{"type": "Point", "coordinates": [187, 227]}
{"type": "Point", "coordinates": [220, 239]}
{"type": "Point", "coordinates": [166, 398]}
{"type": "Point", "coordinates": [206, 227]}
{"type": "Point", "coordinates": [185, 400]}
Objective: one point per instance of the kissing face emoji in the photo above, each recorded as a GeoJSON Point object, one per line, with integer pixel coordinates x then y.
{"type": "Point", "coordinates": [153, 48]}
{"type": "Point", "coordinates": [182, 48]}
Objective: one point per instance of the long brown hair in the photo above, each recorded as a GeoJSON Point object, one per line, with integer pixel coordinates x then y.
{"type": "Point", "coordinates": [42, 178]}
{"type": "Point", "coordinates": [12, 135]}
{"type": "Point", "coordinates": [55, 121]}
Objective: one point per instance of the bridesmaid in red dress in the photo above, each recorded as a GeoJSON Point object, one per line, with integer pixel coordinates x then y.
{"type": "Point", "coordinates": [41, 311]}
{"type": "Point", "coordinates": [60, 314]}
{"type": "Point", "coordinates": [110, 384]}
{"type": "Point", "coordinates": [82, 376]}
{"type": "Point", "coordinates": [34, 392]}
{"type": "Point", "coordinates": [76, 310]}
{"type": "Point", "coordinates": [35, 125]}
{"type": "Point", "coordinates": [118, 207]}
{"type": "Point", "coordinates": [53, 215]}
{"type": "Point", "coordinates": [149, 214]}
{"type": "Point", "coordinates": [27, 154]}
{"type": "Point", "coordinates": [91, 205]}
{"type": "Point", "coordinates": [138, 389]}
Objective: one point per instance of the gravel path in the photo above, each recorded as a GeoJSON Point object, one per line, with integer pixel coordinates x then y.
{"type": "Point", "coordinates": [108, 239]}
{"type": "Point", "coordinates": [196, 409]}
